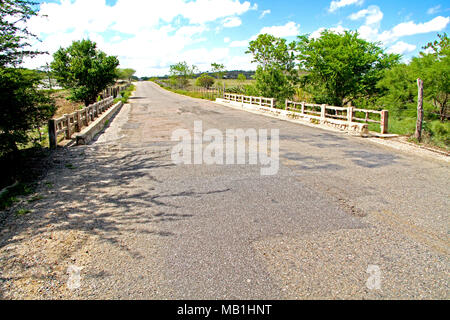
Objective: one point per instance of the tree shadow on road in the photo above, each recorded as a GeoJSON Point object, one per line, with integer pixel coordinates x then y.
{"type": "Point", "coordinates": [100, 191]}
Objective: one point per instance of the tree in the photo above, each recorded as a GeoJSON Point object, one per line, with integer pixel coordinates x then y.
{"type": "Point", "coordinates": [434, 68]}
{"type": "Point", "coordinates": [22, 106]}
{"type": "Point", "coordinates": [342, 68]}
{"type": "Point", "coordinates": [84, 70]}
{"type": "Point", "coordinates": [399, 84]}
{"type": "Point", "coordinates": [241, 78]}
{"type": "Point", "coordinates": [205, 81]}
{"type": "Point", "coordinates": [276, 73]}
{"type": "Point", "coordinates": [14, 34]}
{"type": "Point", "coordinates": [181, 73]}
{"type": "Point", "coordinates": [398, 91]}
{"type": "Point", "coordinates": [218, 70]}
{"type": "Point", "coordinates": [125, 74]}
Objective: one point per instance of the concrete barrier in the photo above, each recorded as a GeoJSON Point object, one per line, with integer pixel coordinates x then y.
{"type": "Point", "coordinates": [353, 128]}
{"type": "Point", "coordinates": [88, 134]}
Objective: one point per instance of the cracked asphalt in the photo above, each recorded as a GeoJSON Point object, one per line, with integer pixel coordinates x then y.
{"type": "Point", "coordinates": [338, 205]}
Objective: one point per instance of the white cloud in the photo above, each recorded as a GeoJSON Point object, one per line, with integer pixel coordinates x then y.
{"type": "Point", "coordinates": [202, 11]}
{"type": "Point", "coordinates": [226, 40]}
{"type": "Point", "coordinates": [290, 29]}
{"type": "Point", "coordinates": [410, 28]}
{"type": "Point", "coordinates": [265, 13]}
{"type": "Point", "coordinates": [337, 4]}
{"type": "Point", "coordinates": [372, 14]}
{"type": "Point", "coordinates": [401, 48]}
{"type": "Point", "coordinates": [239, 44]}
{"type": "Point", "coordinates": [232, 22]}
{"type": "Point", "coordinates": [147, 35]}
{"type": "Point", "coordinates": [434, 10]}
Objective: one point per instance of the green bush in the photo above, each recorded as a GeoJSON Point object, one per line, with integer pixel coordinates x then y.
{"type": "Point", "coordinates": [205, 81]}
{"type": "Point", "coordinates": [439, 133]}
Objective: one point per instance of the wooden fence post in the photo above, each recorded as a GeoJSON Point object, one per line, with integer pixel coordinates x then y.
{"type": "Point", "coordinates": [303, 108]}
{"type": "Point", "coordinates": [53, 138]}
{"type": "Point", "coordinates": [419, 124]}
{"type": "Point", "coordinates": [384, 121]}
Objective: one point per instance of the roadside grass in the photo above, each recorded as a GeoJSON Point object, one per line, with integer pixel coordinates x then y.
{"type": "Point", "coordinates": [22, 212]}
{"type": "Point", "coordinates": [193, 94]}
{"type": "Point", "coordinates": [70, 166]}
{"type": "Point", "coordinates": [49, 185]}
{"type": "Point", "coordinates": [10, 195]}
{"type": "Point", "coordinates": [126, 94]}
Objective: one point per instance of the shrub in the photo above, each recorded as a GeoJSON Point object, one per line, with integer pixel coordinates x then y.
{"type": "Point", "coordinates": [205, 81]}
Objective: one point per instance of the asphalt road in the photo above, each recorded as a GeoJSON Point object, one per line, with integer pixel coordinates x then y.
{"type": "Point", "coordinates": [339, 208]}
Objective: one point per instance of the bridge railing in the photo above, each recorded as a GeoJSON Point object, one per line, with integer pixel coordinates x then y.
{"type": "Point", "coordinates": [258, 101]}
{"type": "Point", "coordinates": [350, 114]}
{"type": "Point", "coordinates": [74, 122]}
{"type": "Point", "coordinates": [114, 91]}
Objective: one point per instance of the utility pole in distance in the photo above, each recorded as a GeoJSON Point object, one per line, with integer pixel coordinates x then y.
{"type": "Point", "coordinates": [419, 124]}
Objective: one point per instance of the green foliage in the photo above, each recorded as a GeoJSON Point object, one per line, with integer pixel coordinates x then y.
{"type": "Point", "coordinates": [127, 93]}
{"type": "Point", "coordinates": [399, 93]}
{"type": "Point", "coordinates": [342, 67]}
{"type": "Point", "coordinates": [274, 83]}
{"type": "Point", "coordinates": [218, 70]}
{"type": "Point", "coordinates": [276, 74]}
{"type": "Point", "coordinates": [439, 133]}
{"type": "Point", "coordinates": [9, 196]}
{"type": "Point", "coordinates": [22, 212]}
{"type": "Point", "coordinates": [22, 107]}
{"type": "Point", "coordinates": [84, 70]}
{"type": "Point", "coordinates": [205, 81]}
{"type": "Point", "coordinates": [434, 69]}
{"type": "Point", "coordinates": [14, 35]}
{"type": "Point", "coordinates": [241, 78]}
{"type": "Point", "coordinates": [180, 74]}
{"type": "Point", "coordinates": [125, 74]}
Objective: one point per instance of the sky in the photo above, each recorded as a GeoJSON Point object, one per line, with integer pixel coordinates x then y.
{"type": "Point", "coordinates": [151, 35]}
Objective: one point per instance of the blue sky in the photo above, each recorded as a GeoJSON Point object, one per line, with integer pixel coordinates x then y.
{"type": "Point", "coordinates": [150, 35]}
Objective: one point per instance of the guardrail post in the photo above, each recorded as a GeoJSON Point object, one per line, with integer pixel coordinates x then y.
{"type": "Point", "coordinates": [52, 137]}
{"type": "Point", "coordinates": [260, 101]}
{"type": "Point", "coordinates": [78, 125]}
{"type": "Point", "coordinates": [349, 114]}
{"type": "Point", "coordinates": [384, 121]}
{"type": "Point", "coordinates": [286, 105]}
{"type": "Point", "coordinates": [303, 108]}
{"type": "Point", "coordinates": [86, 116]}
{"type": "Point", "coordinates": [68, 130]}
{"type": "Point", "coordinates": [323, 112]}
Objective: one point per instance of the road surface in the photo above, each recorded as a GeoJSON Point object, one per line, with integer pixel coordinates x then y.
{"type": "Point", "coordinates": [343, 218]}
